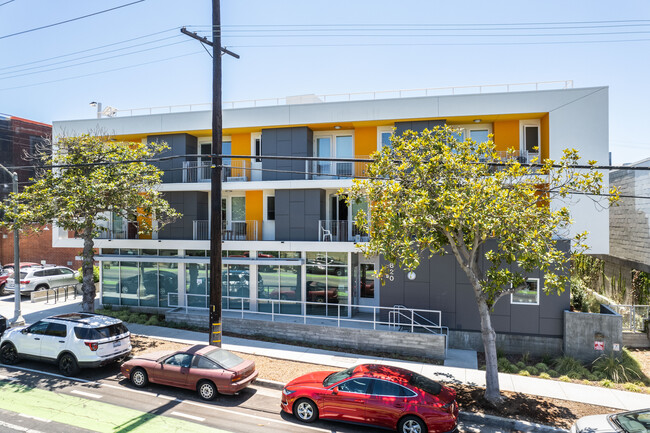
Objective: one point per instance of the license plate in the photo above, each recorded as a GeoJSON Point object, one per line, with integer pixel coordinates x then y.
{"type": "Point", "coordinates": [116, 343]}
{"type": "Point", "coordinates": [10, 285]}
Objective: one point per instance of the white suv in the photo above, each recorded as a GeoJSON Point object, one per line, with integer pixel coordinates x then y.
{"type": "Point", "coordinates": [73, 341]}
{"type": "Point", "coordinates": [42, 278]}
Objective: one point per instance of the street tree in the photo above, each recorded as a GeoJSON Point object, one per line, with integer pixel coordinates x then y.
{"type": "Point", "coordinates": [434, 194]}
{"type": "Point", "coordinates": [81, 184]}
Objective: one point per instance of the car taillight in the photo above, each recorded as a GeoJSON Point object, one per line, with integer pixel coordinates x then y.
{"type": "Point", "coordinates": [93, 346]}
{"type": "Point", "coordinates": [24, 282]}
{"type": "Point", "coordinates": [236, 377]}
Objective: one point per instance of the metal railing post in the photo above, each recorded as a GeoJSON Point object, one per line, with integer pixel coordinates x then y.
{"type": "Point", "coordinates": [374, 318]}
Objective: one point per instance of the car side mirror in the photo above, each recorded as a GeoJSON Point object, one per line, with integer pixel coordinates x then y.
{"type": "Point", "coordinates": [24, 331]}
{"type": "Point", "coordinates": [335, 390]}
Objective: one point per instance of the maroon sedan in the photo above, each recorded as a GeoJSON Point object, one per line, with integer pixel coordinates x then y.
{"type": "Point", "coordinates": [380, 395]}
{"type": "Point", "coordinates": [207, 369]}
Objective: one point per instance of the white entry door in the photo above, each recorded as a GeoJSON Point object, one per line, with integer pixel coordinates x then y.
{"type": "Point", "coordinates": [368, 283]}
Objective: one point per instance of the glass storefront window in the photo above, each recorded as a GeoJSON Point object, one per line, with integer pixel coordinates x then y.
{"type": "Point", "coordinates": [196, 284]}
{"type": "Point", "coordinates": [327, 283]}
{"type": "Point", "coordinates": [267, 286]}
{"type": "Point", "coordinates": [290, 290]}
{"type": "Point", "coordinates": [290, 254]}
{"type": "Point", "coordinates": [148, 288]}
{"type": "Point", "coordinates": [110, 283]}
{"type": "Point", "coordinates": [128, 252]}
{"type": "Point", "coordinates": [149, 252]}
{"type": "Point", "coordinates": [167, 253]}
{"type": "Point", "coordinates": [168, 284]}
{"type": "Point", "coordinates": [236, 253]}
{"type": "Point", "coordinates": [129, 283]}
{"type": "Point", "coordinates": [236, 284]}
{"type": "Point", "coordinates": [111, 251]}
{"type": "Point", "coordinates": [267, 254]}
{"type": "Point", "coordinates": [195, 253]}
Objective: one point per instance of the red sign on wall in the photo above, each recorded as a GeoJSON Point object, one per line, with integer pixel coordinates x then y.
{"type": "Point", "coordinates": [599, 345]}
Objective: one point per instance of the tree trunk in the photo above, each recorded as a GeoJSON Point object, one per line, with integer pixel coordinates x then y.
{"type": "Point", "coordinates": [492, 391]}
{"type": "Point", "coordinates": [88, 285]}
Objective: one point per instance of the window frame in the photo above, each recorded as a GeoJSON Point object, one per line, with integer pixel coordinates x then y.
{"type": "Point", "coordinates": [256, 150]}
{"type": "Point", "coordinates": [523, 124]}
{"type": "Point", "coordinates": [537, 281]}
{"type": "Point", "coordinates": [468, 127]}
{"type": "Point", "coordinates": [383, 130]}
{"type": "Point", "coordinates": [409, 393]}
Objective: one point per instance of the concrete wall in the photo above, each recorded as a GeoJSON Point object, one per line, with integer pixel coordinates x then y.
{"type": "Point", "coordinates": [423, 345]}
{"type": "Point", "coordinates": [508, 343]}
{"type": "Point", "coordinates": [297, 212]}
{"type": "Point", "coordinates": [581, 330]}
{"type": "Point", "coordinates": [286, 142]}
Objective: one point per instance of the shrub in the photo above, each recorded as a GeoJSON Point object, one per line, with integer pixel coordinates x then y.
{"type": "Point", "coordinates": [565, 379]}
{"type": "Point", "coordinates": [599, 375]}
{"type": "Point", "coordinates": [632, 387]}
{"type": "Point", "coordinates": [544, 375]}
{"type": "Point", "coordinates": [575, 375]}
{"type": "Point", "coordinates": [618, 370]}
{"type": "Point", "coordinates": [513, 369]}
{"type": "Point", "coordinates": [521, 365]}
{"type": "Point", "coordinates": [605, 383]}
{"type": "Point", "coordinates": [542, 367]}
{"type": "Point", "coordinates": [566, 365]}
{"type": "Point", "coordinates": [153, 321]}
{"type": "Point", "coordinates": [524, 373]}
{"type": "Point", "coordinates": [503, 365]}
{"type": "Point", "coordinates": [592, 377]}
{"type": "Point", "coordinates": [547, 359]}
{"type": "Point", "coordinates": [532, 370]}
{"type": "Point", "coordinates": [80, 277]}
{"type": "Point", "coordinates": [525, 358]}
{"type": "Point", "coordinates": [553, 373]}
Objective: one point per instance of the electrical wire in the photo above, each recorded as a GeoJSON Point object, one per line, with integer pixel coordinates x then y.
{"type": "Point", "coordinates": [70, 20]}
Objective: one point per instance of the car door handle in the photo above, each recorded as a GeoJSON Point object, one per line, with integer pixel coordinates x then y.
{"type": "Point", "coordinates": [359, 400]}
{"type": "Point", "coordinates": [61, 341]}
{"type": "Point", "coordinates": [36, 338]}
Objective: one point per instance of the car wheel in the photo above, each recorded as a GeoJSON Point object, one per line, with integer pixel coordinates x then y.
{"type": "Point", "coordinates": [411, 424]}
{"type": "Point", "coordinates": [41, 287]}
{"type": "Point", "coordinates": [339, 272]}
{"type": "Point", "coordinates": [8, 354]}
{"type": "Point", "coordinates": [68, 365]}
{"type": "Point", "coordinates": [139, 378]}
{"type": "Point", "coordinates": [2, 289]}
{"type": "Point", "coordinates": [207, 390]}
{"type": "Point", "coordinates": [305, 410]}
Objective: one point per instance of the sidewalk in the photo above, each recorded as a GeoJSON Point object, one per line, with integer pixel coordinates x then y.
{"type": "Point", "coordinates": [509, 382]}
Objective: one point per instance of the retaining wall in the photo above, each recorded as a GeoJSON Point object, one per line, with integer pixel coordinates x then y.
{"type": "Point", "coordinates": [590, 335]}
{"type": "Point", "coordinates": [508, 343]}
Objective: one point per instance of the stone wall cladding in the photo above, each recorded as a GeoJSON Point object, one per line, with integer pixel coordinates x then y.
{"type": "Point", "coordinates": [406, 344]}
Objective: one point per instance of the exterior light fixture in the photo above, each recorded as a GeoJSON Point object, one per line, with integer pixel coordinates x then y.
{"type": "Point", "coordinates": [477, 120]}
{"type": "Point", "coordinates": [411, 275]}
{"type": "Point", "coordinates": [337, 127]}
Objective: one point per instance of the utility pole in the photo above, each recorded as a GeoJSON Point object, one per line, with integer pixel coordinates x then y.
{"type": "Point", "coordinates": [214, 338]}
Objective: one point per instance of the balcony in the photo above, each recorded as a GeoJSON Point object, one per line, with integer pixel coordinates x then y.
{"type": "Point", "coordinates": [340, 231]}
{"type": "Point", "coordinates": [336, 169]}
{"type": "Point", "coordinates": [231, 231]}
{"type": "Point", "coordinates": [522, 156]}
{"type": "Point", "coordinates": [199, 171]}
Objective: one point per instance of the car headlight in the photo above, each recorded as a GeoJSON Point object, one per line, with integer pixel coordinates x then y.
{"type": "Point", "coordinates": [286, 391]}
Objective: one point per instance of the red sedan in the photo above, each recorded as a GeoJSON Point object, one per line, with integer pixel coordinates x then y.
{"type": "Point", "coordinates": [380, 395]}
{"type": "Point", "coordinates": [207, 369]}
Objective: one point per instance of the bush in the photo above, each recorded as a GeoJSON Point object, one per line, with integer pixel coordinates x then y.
{"type": "Point", "coordinates": [618, 370]}
{"type": "Point", "coordinates": [605, 383]}
{"type": "Point", "coordinates": [575, 375]}
{"type": "Point", "coordinates": [565, 379]}
{"type": "Point", "coordinates": [544, 375]}
{"type": "Point", "coordinates": [153, 321]}
{"type": "Point", "coordinates": [80, 277]}
{"type": "Point", "coordinates": [521, 365]}
{"type": "Point", "coordinates": [553, 373]}
{"type": "Point", "coordinates": [532, 370]}
{"type": "Point", "coordinates": [541, 367]}
{"type": "Point", "coordinates": [513, 369]}
{"type": "Point", "coordinates": [592, 378]}
{"type": "Point", "coordinates": [524, 373]}
{"type": "Point", "coordinates": [631, 387]}
{"type": "Point", "coordinates": [525, 358]}
{"type": "Point", "coordinates": [566, 364]}
{"type": "Point", "coordinates": [503, 365]}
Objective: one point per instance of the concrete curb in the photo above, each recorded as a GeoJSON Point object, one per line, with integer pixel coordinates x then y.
{"type": "Point", "coordinates": [470, 417]}
{"type": "Point", "coordinates": [509, 424]}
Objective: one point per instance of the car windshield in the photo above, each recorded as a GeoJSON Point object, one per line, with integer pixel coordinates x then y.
{"type": "Point", "coordinates": [425, 384]}
{"type": "Point", "coordinates": [637, 421]}
{"type": "Point", "coordinates": [224, 358]}
{"type": "Point", "coordinates": [338, 376]}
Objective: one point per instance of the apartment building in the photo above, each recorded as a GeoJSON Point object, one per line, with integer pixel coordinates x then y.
{"type": "Point", "coordinates": [288, 235]}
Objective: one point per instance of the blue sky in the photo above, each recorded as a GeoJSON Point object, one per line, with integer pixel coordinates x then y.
{"type": "Point", "coordinates": [302, 47]}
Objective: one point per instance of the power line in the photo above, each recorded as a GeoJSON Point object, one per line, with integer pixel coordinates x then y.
{"type": "Point", "coordinates": [7, 2]}
{"type": "Point", "coordinates": [70, 20]}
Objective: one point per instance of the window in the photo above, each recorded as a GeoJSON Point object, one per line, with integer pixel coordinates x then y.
{"type": "Point", "coordinates": [384, 133]}
{"type": "Point", "coordinates": [57, 330]}
{"type": "Point", "coordinates": [479, 133]}
{"type": "Point", "coordinates": [256, 145]}
{"type": "Point", "coordinates": [528, 295]}
{"type": "Point", "coordinates": [333, 145]}
{"type": "Point", "coordinates": [357, 386]}
{"type": "Point", "coordinates": [38, 328]}
{"type": "Point", "coordinates": [390, 389]}
{"type": "Point", "coordinates": [180, 359]}
{"type": "Point", "coordinates": [270, 208]}
{"type": "Point", "coordinates": [530, 139]}
{"type": "Point", "coordinates": [202, 362]}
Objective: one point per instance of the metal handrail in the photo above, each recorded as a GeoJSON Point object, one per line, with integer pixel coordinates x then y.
{"type": "Point", "coordinates": [633, 315]}
{"type": "Point", "coordinates": [357, 96]}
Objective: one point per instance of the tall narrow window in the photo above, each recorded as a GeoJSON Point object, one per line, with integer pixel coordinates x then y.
{"type": "Point", "coordinates": [258, 149]}
{"type": "Point", "coordinates": [531, 139]}
{"type": "Point", "coordinates": [270, 208]}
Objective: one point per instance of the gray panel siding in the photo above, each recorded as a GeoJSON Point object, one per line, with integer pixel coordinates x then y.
{"type": "Point", "coordinates": [441, 284]}
{"type": "Point", "coordinates": [417, 126]}
{"type": "Point", "coordinates": [297, 214]}
{"type": "Point", "coordinates": [286, 142]}
{"type": "Point", "coordinates": [179, 144]}
{"type": "Point", "coordinates": [193, 205]}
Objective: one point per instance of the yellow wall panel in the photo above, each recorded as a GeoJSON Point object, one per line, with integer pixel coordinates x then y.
{"type": "Point", "coordinates": [255, 210]}
{"type": "Point", "coordinates": [365, 141]}
{"type": "Point", "coordinates": [545, 138]}
{"type": "Point", "coordinates": [240, 145]}
{"type": "Point", "coordinates": [506, 135]}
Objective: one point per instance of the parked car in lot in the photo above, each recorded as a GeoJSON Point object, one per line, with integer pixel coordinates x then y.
{"type": "Point", "coordinates": [43, 278]}
{"type": "Point", "coordinates": [72, 341]}
{"type": "Point", "coordinates": [8, 271]}
{"type": "Point", "coordinates": [207, 369]}
{"type": "Point", "coordinates": [636, 421]}
{"type": "Point", "coordinates": [374, 394]}
{"type": "Point", "coordinates": [3, 324]}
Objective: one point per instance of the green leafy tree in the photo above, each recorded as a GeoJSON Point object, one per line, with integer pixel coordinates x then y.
{"type": "Point", "coordinates": [432, 194]}
{"type": "Point", "coordinates": [81, 183]}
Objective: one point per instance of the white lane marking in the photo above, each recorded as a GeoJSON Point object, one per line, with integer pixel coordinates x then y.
{"type": "Point", "coordinates": [166, 397]}
{"type": "Point", "coordinates": [86, 394]}
{"type": "Point", "coordinates": [192, 417]}
{"type": "Point", "coordinates": [218, 409]}
{"type": "Point", "coordinates": [18, 428]}
{"type": "Point", "coordinates": [34, 417]}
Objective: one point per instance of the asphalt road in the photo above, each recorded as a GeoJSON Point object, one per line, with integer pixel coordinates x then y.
{"type": "Point", "coordinates": [35, 398]}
